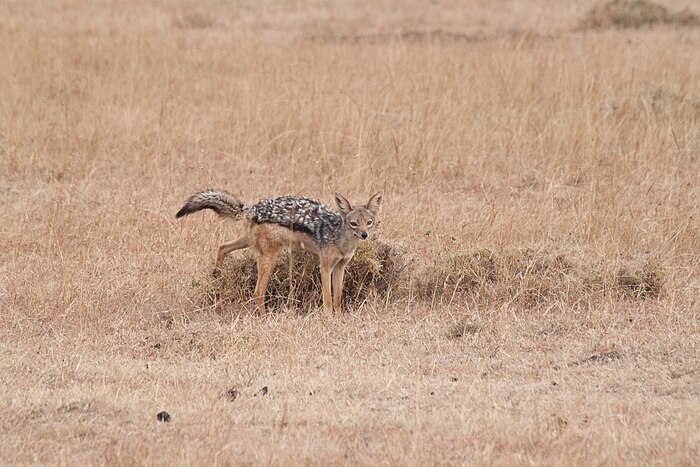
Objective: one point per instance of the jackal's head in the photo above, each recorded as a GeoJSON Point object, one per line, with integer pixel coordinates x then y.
{"type": "Point", "coordinates": [359, 220]}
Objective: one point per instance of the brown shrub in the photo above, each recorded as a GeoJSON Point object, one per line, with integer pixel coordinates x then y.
{"type": "Point", "coordinates": [635, 14]}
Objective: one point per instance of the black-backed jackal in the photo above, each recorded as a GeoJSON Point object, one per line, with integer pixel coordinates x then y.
{"type": "Point", "coordinates": [297, 223]}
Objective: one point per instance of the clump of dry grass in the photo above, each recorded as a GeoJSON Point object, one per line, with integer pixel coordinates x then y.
{"type": "Point", "coordinates": [529, 277]}
{"type": "Point", "coordinates": [640, 281]}
{"type": "Point", "coordinates": [635, 14]}
{"type": "Point", "coordinates": [376, 270]}
{"type": "Point", "coordinates": [463, 328]}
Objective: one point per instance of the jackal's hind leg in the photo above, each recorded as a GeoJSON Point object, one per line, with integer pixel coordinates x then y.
{"type": "Point", "coordinates": [266, 264]}
{"type": "Point", "coordinates": [227, 248]}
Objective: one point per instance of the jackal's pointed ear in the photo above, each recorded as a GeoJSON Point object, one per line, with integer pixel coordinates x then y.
{"type": "Point", "coordinates": [374, 203]}
{"type": "Point", "coordinates": [343, 204]}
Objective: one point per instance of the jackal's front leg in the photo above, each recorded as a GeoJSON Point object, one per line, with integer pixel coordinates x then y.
{"type": "Point", "coordinates": [327, 264]}
{"type": "Point", "coordinates": [337, 279]}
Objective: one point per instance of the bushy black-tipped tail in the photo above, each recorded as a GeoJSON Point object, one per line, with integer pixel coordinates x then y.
{"type": "Point", "coordinates": [219, 201]}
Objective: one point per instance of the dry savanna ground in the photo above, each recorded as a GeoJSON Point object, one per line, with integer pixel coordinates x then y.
{"type": "Point", "coordinates": [541, 168]}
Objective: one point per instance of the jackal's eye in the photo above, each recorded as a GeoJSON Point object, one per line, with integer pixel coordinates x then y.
{"type": "Point", "coordinates": [353, 224]}
{"type": "Point", "coordinates": [369, 222]}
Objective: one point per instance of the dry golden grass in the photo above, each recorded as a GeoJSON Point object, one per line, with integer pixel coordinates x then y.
{"type": "Point", "coordinates": [543, 181]}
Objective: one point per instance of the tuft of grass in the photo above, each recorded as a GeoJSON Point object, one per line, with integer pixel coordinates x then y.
{"type": "Point", "coordinates": [523, 275]}
{"type": "Point", "coordinates": [529, 278]}
{"type": "Point", "coordinates": [463, 328]}
{"type": "Point", "coordinates": [635, 14]}
{"type": "Point", "coordinates": [645, 281]}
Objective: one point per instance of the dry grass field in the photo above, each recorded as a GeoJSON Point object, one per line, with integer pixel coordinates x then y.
{"type": "Point", "coordinates": [542, 183]}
